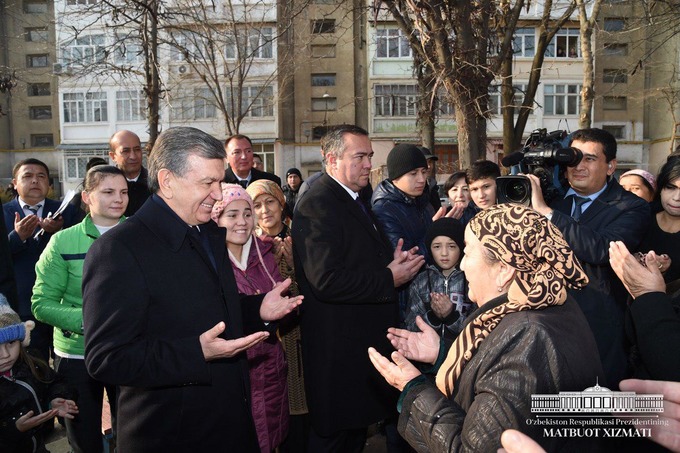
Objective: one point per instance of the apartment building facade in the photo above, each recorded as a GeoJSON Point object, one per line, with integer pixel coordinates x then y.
{"type": "Point", "coordinates": [311, 64]}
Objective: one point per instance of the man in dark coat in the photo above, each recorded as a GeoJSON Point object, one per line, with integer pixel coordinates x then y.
{"type": "Point", "coordinates": [162, 316]}
{"type": "Point", "coordinates": [24, 217]}
{"type": "Point", "coordinates": [596, 211]}
{"type": "Point", "coordinates": [346, 269]}
{"type": "Point", "coordinates": [239, 150]}
{"type": "Point", "coordinates": [126, 152]}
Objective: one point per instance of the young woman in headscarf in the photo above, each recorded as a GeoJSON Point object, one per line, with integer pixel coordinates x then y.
{"type": "Point", "coordinates": [256, 272]}
{"type": "Point", "coordinates": [527, 337]}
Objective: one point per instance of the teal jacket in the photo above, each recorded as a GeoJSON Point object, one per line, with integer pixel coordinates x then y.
{"type": "Point", "coordinates": [57, 296]}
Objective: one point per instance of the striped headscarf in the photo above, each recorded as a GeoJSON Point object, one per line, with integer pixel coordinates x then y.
{"type": "Point", "coordinates": [545, 267]}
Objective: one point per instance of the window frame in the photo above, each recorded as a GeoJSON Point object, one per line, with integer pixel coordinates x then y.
{"type": "Point", "coordinates": [562, 98]}
{"type": "Point", "coordinates": [388, 104]}
{"type": "Point", "coordinates": [388, 39]}
{"type": "Point", "coordinates": [34, 112]}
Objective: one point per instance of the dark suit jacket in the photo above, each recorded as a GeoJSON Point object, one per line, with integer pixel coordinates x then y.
{"type": "Point", "coordinates": [653, 326]}
{"type": "Point", "coordinates": [26, 254]}
{"type": "Point", "coordinates": [350, 301]}
{"type": "Point", "coordinates": [230, 177]}
{"type": "Point", "coordinates": [138, 192]}
{"type": "Point", "coordinates": [616, 215]}
{"type": "Point", "coordinates": [8, 286]}
{"type": "Point", "coordinates": [149, 292]}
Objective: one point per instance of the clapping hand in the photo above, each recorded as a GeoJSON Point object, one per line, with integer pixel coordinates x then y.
{"type": "Point", "coordinates": [422, 346]}
{"type": "Point", "coordinates": [441, 305]}
{"type": "Point", "coordinates": [275, 305]}
{"type": "Point", "coordinates": [397, 373]}
{"type": "Point", "coordinates": [638, 279]}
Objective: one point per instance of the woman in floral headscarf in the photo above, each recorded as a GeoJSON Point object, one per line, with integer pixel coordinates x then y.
{"type": "Point", "coordinates": [527, 337]}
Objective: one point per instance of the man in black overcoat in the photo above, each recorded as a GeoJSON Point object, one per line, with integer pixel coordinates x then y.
{"type": "Point", "coordinates": [162, 316]}
{"type": "Point", "coordinates": [348, 274]}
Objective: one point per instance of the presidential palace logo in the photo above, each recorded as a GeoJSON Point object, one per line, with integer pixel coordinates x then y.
{"type": "Point", "coordinates": [596, 412]}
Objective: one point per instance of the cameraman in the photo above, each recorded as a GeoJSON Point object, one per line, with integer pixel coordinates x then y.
{"type": "Point", "coordinates": [594, 212]}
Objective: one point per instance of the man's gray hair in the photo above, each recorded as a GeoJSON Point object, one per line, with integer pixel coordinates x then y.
{"type": "Point", "coordinates": [173, 148]}
{"type": "Point", "coordinates": [333, 142]}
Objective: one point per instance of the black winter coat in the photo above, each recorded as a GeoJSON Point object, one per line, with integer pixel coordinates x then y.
{"type": "Point", "coordinates": [16, 400]}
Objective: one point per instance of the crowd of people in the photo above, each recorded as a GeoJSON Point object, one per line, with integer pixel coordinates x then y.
{"type": "Point", "coordinates": [220, 310]}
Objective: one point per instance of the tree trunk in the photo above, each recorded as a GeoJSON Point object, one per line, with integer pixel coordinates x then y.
{"type": "Point", "coordinates": [151, 64]}
{"type": "Point", "coordinates": [587, 90]}
{"type": "Point", "coordinates": [507, 106]}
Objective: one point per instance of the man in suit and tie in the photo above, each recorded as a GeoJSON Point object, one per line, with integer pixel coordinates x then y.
{"type": "Point", "coordinates": [126, 152]}
{"type": "Point", "coordinates": [347, 272]}
{"type": "Point", "coordinates": [241, 171]}
{"type": "Point", "coordinates": [24, 217]}
{"type": "Point", "coordinates": [594, 212]}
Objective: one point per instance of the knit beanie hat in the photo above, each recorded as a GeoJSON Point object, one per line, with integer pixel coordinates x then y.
{"type": "Point", "coordinates": [404, 158]}
{"type": "Point", "coordinates": [293, 171]}
{"type": "Point", "coordinates": [448, 227]}
{"type": "Point", "coordinates": [230, 192]}
{"type": "Point", "coordinates": [11, 327]}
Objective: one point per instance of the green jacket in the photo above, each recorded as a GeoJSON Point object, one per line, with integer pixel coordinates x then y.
{"type": "Point", "coordinates": [57, 296]}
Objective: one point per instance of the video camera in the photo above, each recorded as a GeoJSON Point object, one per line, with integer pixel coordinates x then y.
{"type": "Point", "coordinates": [544, 155]}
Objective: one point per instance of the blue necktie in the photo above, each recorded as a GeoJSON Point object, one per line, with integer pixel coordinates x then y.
{"type": "Point", "coordinates": [34, 210]}
{"type": "Point", "coordinates": [578, 204]}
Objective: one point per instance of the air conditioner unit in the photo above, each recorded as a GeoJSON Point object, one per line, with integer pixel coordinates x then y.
{"type": "Point", "coordinates": [60, 68]}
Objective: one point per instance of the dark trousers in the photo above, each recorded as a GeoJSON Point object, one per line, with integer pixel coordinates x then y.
{"type": "Point", "coordinates": [85, 430]}
{"type": "Point", "coordinates": [345, 441]}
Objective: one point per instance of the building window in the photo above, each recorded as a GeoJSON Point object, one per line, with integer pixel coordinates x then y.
{"type": "Point", "coordinates": [130, 105]}
{"type": "Point", "coordinates": [323, 26]}
{"type": "Point", "coordinates": [323, 80]}
{"type": "Point", "coordinates": [391, 43]}
{"type": "Point", "coordinates": [182, 46]}
{"type": "Point", "coordinates": [81, 2]}
{"type": "Point", "coordinates": [524, 41]}
{"type": "Point", "coordinates": [204, 104]}
{"type": "Point", "coordinates": [496, 103]}
{"type": "Point", "coordinates": [37, 61]}
{"type": "Point", "coordinates": [565, 44]}
{"type": "Point", "coordinates": [252, 43]}
{"type": "Point", "coordinates": [127, 53]}
{"type": "Point", "coordinates": [619, 132]}
{"type": "Point", "coordinates": [85, 50]}
{"type": "Point", "coordinates": [40, 112]}
{"type": "Point", "coordinates": [327, 104]}
{"type": "Point", "coordinates": [614, 76]}
{"type": "Point", "coordinates": [41, 140]}
{"type": "Point", "coordinates": [562, 99]}
{"type": "Point", "coordinates": [614, 24]}
{"type": "Point", "coordinates": [35, 7]}
{"type": "Point", "coordinates": [36, 34]}
{"type": "Point", "coordinates": [395, 100]}
{"type": "Point", "coordinates": [615, 49]}
{"type": "Point", "coordinates": [614, 103]}
{"type": "Point", "coordinates": [76, 167]}
{"type": "Point", "coordinates": [90, 107]}
{"type": "Point", "coordinates": [323, 50]}
{"type": "Point", "coordinates": [39, 89]}
{"type": "Point", "coordinates": [256, 102]}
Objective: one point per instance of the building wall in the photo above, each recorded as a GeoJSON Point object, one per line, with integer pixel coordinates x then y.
{"type": "Point", "coordinates": [27, 47]}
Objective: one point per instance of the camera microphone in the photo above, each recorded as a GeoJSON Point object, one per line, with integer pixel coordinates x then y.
{"type": "Point", "coordinates": [512, 159]}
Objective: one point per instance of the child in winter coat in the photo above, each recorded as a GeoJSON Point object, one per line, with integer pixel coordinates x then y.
{"type": "Point", "coordinates": [439, 294]}
{"type": "Point", "coordinates": [30, 393]}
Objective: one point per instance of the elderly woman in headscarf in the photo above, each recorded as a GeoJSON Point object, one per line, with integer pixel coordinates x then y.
{"type": "Point", "coordinates": [269, 205]}
{"type": "Point", "coordinates": [527, 337]}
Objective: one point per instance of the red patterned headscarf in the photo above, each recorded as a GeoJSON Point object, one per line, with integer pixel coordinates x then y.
{"type": "Point", "coordinates": [546, 267]}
